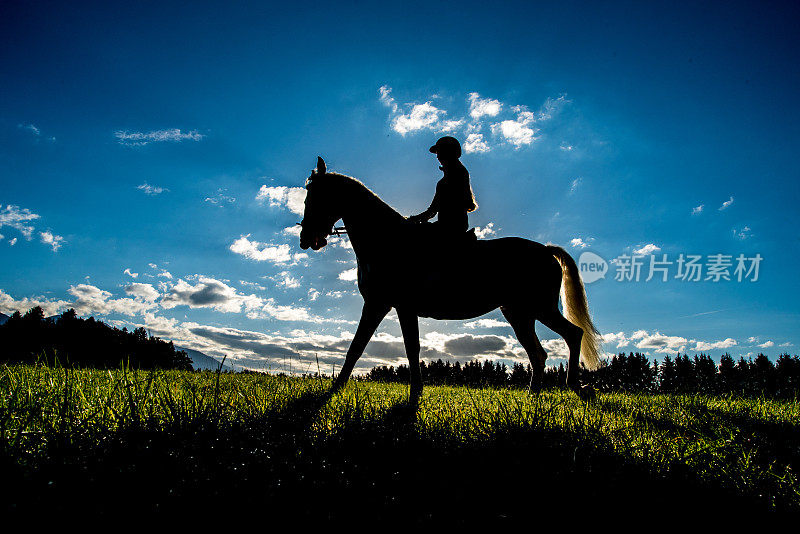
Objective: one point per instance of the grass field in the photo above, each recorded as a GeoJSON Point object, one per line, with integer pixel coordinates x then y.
{"type": "Point", "coordinates": [168, 442]}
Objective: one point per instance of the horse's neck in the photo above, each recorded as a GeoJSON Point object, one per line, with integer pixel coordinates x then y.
{"type": "Point", "coordinates": [369, 220]}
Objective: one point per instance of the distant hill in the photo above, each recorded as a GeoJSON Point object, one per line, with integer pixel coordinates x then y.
{"type": "Point", "coordinates": [202, 361]}
{"type": "Point", "coordinates": [3, 318]}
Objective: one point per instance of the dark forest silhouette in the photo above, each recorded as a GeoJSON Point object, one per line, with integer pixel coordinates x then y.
{"type": "Point", "coordinates": [633, 373]}
{"type": "Point", "coordinates": [70, 340]}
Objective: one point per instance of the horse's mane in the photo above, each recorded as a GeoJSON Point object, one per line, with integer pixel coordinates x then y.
{"type": "Point", "coordinates": [357, 189]}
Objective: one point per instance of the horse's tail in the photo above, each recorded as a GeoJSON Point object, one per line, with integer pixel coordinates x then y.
{"type": "Point", "coordinates": [576, 309]}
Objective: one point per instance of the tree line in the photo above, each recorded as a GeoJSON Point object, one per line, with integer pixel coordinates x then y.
{"type": "Point", "coordinates": [70, 340]}
{"type": "Point", "coordinates": [628, 373]}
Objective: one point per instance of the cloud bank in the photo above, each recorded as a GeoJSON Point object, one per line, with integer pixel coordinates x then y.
{"type": "Point", "coordinates": [487, 125]}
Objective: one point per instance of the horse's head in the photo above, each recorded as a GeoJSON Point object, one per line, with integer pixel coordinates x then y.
{"type": "Point", "coordinates": [319, 215]}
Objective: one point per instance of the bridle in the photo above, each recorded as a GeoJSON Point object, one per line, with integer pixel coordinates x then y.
{"type": "Point", "coordinates": [337, 230]}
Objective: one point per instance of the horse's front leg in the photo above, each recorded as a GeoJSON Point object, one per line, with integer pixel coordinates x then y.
{"type": "Point", "coordinates": [410, 326]}
{"type": "Point", "coordinates": [371, 316]}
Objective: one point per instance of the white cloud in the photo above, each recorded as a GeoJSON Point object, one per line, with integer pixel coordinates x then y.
{"type": "Point", "coordinates": [450, 126]}
{"type": "Point", "coordinates": [726, 204]}
{"type": "Point", "coordinates": [743, 234]}
{"type": "Point", "coordinates": [293, 231]}
{"type": "Point", "coordinates": [724, 344]}
{"type": "Point", "coordinates": [517, 132]}
{"type": "Point", "coordinates": [208, 293]}
{"type": "Point", "coordinates": [659, 342]}
{"type": "Point", "coordinates": [257, 251]}
{"type": "Point", "coordinates": [299, 351]}
{"type": "Point", "coordinates": [33, 129]}
{"type": "Point", "coordinates": [483, 107]}
{"type": "Point", "coordinates": [30, 128]}
{"type": "Point", "coordinates": [217, 295]}
{"type": "Point", "coordinates": [16, 217]}
{"type": "Point", "coordinates": [350, 275]}
{"type": "Point", "coordinates": [578, 243]}
{"type": "Point", "coordinates": [698, 209]}
{"type": "Point", "coordinates": [420, 117]}
{"type": "Point", "coordinates": [151, 189]}
{"type": "Point", "coordinates": [91, 300]}
{"type": "Point", "coordinates": [647, 249]}
{"type": "Point", "coordinates": [472, 345]}
{"type": "Point", "coordinates": [157, 136]}
{"type": "Point", "coordinates": [555, 348]}
{"type": "Point", "coordinates": [130, 273]}
{"type": "Point", "coordinates": [220, 198]}
{"type": "Point", "coordinates": [551, 106]}
{"type": "Point", "coordinates": [475, 143]}
{"type": "Point", "coordinates": [9, 304]}
{"type": "Point", "coordinates": [285, 279]}
{"type": "Point", "coordinates": [270, 308]}
{"type": "Point", "coordinates": [253, 285]}
{"type": "Point", "coordinates": [387, 98]}
{"type": "Point", "coordinates": [575, 184]}
{"type": "Point", "coordinates": [487, 323]}
{"type": "Point", "coordinates": [144, 292]}
{"type": "Point", "coordinates": [291, 198]}
{"type": "Point", "coordinates": [566, 148]}
{"type": "Point", "coordinates": [485, 232]}
{"type": "Point", "coordinates": [767, 344]}
{"type": "Point", "coordinates": [342, 242]}
{"type": "Point", "coordinates": [618, 338]}
{"type": "Point", "coordinates": [12, 242]}
{"type": "Point", "coordinates": [51, 239]}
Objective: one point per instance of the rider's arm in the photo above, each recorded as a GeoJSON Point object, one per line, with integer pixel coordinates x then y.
{"type": "Point", "coordinates": [432, 210]}
{"type": "Point", "coordinates": [422, 217]}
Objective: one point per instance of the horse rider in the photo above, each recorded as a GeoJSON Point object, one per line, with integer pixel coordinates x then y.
{"type": "Point", "coordinates": [454, 197]}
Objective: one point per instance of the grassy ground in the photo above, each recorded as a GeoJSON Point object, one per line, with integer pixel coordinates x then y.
{"type": "Point", "coordinates": [177, 442]}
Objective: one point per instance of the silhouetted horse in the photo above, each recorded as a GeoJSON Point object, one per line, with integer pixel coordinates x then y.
{"type": "Point", "coordinates": [401, 267]}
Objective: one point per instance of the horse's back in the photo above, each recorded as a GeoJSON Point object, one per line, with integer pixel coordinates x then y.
{"type": "Point", "coordinates": [519, 248]}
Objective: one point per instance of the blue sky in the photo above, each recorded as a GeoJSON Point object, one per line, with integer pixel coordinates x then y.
{"type": "Point", "coordinates": [151, 157]}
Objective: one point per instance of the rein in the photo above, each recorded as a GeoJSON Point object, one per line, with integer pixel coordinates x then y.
{"type": "Point", "coordinates": [337, 231]}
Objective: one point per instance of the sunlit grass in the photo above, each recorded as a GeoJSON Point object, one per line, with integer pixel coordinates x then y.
{"type": "Point", "coordinates": [748, 447]}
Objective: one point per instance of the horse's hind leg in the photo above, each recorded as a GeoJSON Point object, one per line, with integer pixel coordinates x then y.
{"type": "Point", "coordinates": [572, 335]}
{"type": "Point", "coordinates": [524, 326]}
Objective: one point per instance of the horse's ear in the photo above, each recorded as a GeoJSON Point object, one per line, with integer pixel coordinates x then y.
{"type": "Point", "coordinates": [321, 169]}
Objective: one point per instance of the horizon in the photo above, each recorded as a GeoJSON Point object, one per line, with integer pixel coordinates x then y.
{"type": "Point", "coordinates": [153, 162]}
